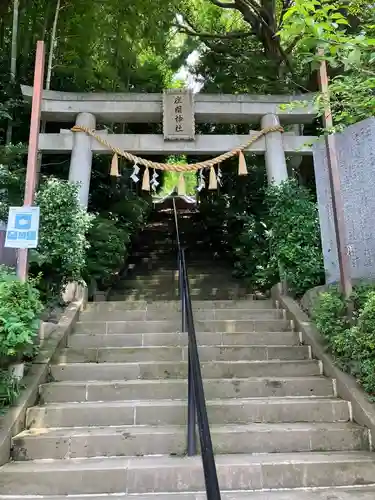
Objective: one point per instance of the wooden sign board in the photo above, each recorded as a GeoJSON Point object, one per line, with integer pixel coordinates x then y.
{"type": "Point", "coordinates": [178, 115]}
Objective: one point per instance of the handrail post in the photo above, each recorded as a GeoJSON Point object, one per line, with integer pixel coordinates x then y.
{"type": "Point", "coordinates": [197, 409]}
{"type": "Point", "coordinates": [192, 411]}
{"type": "Point", "coordinates": [182, 295]}
{"type": "Point", "coordinates": [192, 418]}
{"type": "Point", "coordinates": [208, 458]}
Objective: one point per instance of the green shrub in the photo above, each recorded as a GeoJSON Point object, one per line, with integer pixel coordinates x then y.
{"type": "Point", "coordinates": [234, 220]}
{"type": "Point", "coordinates": [132, 212]}
{"type": "Point", "coordinates": [9, 389]}
{"type": "Point", "coordinates": [362, 337]}
{"type": "Point", "coordinates": [294, 236]}
{"type": "Point", "coordinates": [329, 315]}
{"type": "Point", "coordinates": [271, 233]}
{"type": "Point", "coordinates": [12, 176]}
{"type": "Point", "coordinates": [110, 236]}
{"type": "Point", "coordinates": [251, 251]}
{"type": "Point", "coordinates": [20, 308]}
{"type": "Point", "coordinates": [107, 251]}
{"type": "Point", "coordinates": [61, 252]}
{"type": "Point", "coordinates": [352, 344]}
{"type": "Point", "coordinates": [360, 294]}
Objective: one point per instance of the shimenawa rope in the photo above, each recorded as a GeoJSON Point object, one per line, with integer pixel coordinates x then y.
{"type": "Point", "coordinates": [181, 168]}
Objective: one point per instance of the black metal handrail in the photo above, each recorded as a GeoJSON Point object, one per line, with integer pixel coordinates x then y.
{"type": "Point", "coordinates": [197, 411]}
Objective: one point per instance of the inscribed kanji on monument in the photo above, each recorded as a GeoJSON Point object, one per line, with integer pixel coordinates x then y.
{"type": "Point", "coordinates": [178, 115]}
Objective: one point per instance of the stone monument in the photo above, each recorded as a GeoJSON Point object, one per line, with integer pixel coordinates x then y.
{"type": "Point", "coordinates": [356, 156]}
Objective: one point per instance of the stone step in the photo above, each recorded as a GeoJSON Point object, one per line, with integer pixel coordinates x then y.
{"type": "Point", "coordinates": [173, 274]}
{"type": "Point", "coordinates": [195, 293]}
{"type": "Point", "coordinates": [145, 266]}
{"type": "Point", "coordinates": [163, 254]}
{"type": "Point", "coordinates": [151, 250]}
{"type": "Point", "coordinates": [170, 284]}
{"type": "Point", "coordinates": [167, 252]}
{"type": "Point", "coordinates": [224, 278]}
{"type": "Point", "coordinates": [161, 289]}
{"type": "Point", "coordinates": [156, 239]}
{"type": "Point", "coordinates": [122, 390]}
{"type": "Point", "coordinates": [84, 340]}
{"type": "Point", "coordinates": [338, 493]}
{"type": "Point", "coordinates": [129, 441]}
{"type": "Point", "coordinates": [166, 265]}
{"type": "Point", "coordinates": [165, 326]}
{"type": "Point", "coordinates": [174, 353]}
{"type": "Point", "coordinates": [172, 369]}
{"type": "Point", "coordinates": [173, 412]}
{"type": "Point", "coordinates": [175, 315]}
{"type": "Point", "coordinates": [196, 256]}
{"type": "Point", "coordinates": [175, 305]}
{"type": "Point", "coordinates": [173, 474]}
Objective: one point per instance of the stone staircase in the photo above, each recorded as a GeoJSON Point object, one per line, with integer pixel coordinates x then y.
{"type": "Point", "coordinates": [112, 419]}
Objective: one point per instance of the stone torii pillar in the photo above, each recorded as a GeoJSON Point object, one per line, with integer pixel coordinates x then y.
{"type": "Point", "coordinates": [81, 158]}
{"type": "Point", "coordinates": [274, 151]}
{"type": "Point", "coordinates": [274, 155]}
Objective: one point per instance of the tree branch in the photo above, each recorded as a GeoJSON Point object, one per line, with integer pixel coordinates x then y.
{"type": "Point", "coordinates": [187, 27]}
{"type": "Point", "coordinates": [223, 5]}
{"type": "Point", "coordinates": [228, 36]}
{"type": "Point", "coordinates": [247, 13]}
{"type": "Point", "coordinates": [286, 5]}
{"type": "Point", "coordinates": [256, 8]}
{"type": "Point", "coordinates": [294, 42]}
{"type": "Point", "coordinates": [252, 13]}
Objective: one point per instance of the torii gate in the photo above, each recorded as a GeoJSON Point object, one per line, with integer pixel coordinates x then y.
{"type": "Point", "coordinates": [89, 110]}
{"type": "Point", "coordinates": [93, 110]}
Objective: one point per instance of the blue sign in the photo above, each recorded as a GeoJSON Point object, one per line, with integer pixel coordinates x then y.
{"type": "Point", "coordinates": [23, 221]}
{"type": "Point", "coordinates": [23, 227]}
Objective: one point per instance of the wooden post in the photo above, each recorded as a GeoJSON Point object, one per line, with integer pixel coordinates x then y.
{"type": "Point", "coordinates": [334, 184]}
{"type": "Point", "coordinates": [33, 147]}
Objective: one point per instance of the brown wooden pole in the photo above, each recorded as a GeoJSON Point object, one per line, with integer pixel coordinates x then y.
{"type": "Point", "coordinates": [32, 155]}
{"type": "Point", "coordinates": [334, 184]}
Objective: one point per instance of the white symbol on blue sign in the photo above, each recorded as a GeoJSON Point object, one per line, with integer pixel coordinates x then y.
{"type": "Point", "coordinates": [12, 235]}
{"type": "Point", "coordinates": [23, 227]}
{"type": "Point", "coordinates": [23, 221]}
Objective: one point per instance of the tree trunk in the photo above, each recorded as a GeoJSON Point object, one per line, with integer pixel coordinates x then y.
{"type": "Point", "coordinates": [268, 30]}
{"type": "Point", "coordinates": [264, 25]}
{"type": "Point", "coordinates": [52, 47]}
{"type": "Point", "coordinates": [13, 60]}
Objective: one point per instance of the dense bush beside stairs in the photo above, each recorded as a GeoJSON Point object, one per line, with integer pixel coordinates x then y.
{"type": "Point", "coordinates": [20, 308]}
{"type": "Point", "coordinates": [106, 253]}
{"type": "Point", "coordinates": [294, 236]}
{"type": "Point", "coordinates": [60, 257]}
{"type": "Point", "coordinates": [75, 245]}
{"type": "Point", "coordinates": [109, 240]}
{"type": "Point", "coordinates": [277, 239]}
{"type": "Point", "coordinates": [351, 342]}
